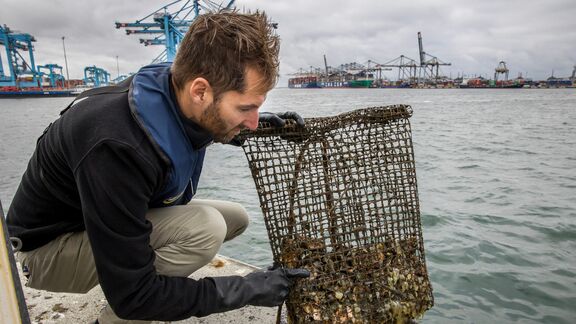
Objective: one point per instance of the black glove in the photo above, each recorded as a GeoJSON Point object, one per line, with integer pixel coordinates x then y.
{"type": "Point", "coordinates": [275, 120]}
{"type": "Point", "coordinates": [278, 120]}
{"type": "Point", "coordinates": [260, 288]}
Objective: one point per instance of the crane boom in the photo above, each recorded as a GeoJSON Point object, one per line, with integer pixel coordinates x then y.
{"type": "Point", "coordinates": [421, 49]}
{"type": "Point", "coordinates": [170, 27]}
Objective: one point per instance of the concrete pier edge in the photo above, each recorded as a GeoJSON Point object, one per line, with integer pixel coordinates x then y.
{"type": "Point", "coordinates": [47, 307]}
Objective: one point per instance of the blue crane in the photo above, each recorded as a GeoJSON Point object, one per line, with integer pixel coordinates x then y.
{"type": "Point", "coordinates": [54, 75]}
{"type": "Point", "coordinates": [22, 71]}
{"type": "Point", "coordinates": [95, 76]}
{"type": "Point", "coordinates": [168, 27]}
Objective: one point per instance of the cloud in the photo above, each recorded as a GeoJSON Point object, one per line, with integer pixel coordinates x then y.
{"type": "Point", "coordinates": [533, 37]}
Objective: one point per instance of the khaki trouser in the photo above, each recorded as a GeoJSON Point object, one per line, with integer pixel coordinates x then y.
{"type": "Point", "coordinates": [185, 238]}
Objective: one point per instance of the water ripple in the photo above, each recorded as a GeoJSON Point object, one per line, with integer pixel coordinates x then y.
{"type": "Point", "coordinates": [496, 180]}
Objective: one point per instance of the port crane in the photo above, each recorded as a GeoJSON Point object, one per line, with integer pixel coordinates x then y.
{"type": "Point", "coordinates": [429, 64]}
{"type": "Point", "coordinates": [501, 69]}
{"type": "Point", "coordinates": [332, 74]}
{"type": "Point", "coordinates": [22, 71]}
{"type": "Point", "coordinates": [407, 68]}
{"type": "Point", "coordinates": [95, 76]}
{"type": "Point", "coordinates": [168, 26]}
{"type": "Point", "coordinates": [373, 66]}
{"type": "Point", "coordinates": [352, 68]}
{"type": "Point", "coordinates": [54, 74]}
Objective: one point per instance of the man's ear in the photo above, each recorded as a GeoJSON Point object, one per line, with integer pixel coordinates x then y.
{"type": "Point", "coordinates": [200, 91]}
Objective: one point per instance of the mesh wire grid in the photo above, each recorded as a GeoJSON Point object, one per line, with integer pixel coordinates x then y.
{"type": "Point", "coordinates": [339, 198]}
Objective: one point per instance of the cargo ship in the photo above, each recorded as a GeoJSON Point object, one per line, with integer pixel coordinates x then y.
{"type": "Point", "coordinates": [318, 81]}
{"type": "Point", "coordinates": [37, 93]}
{"type": "Point", "coordinates": [481, 83]}
{"type": "Point", "coordinates": [304, 82]}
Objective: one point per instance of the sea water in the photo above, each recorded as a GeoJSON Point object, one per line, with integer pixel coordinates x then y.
{"type": "Point", "coordinates": [496, 172]}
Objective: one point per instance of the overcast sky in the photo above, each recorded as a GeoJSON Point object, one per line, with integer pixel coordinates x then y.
{"type": "Point", "coordinates": [533, 37]}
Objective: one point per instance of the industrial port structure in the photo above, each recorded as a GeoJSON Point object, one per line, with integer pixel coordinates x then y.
{"type": "Point", "coordinates": [425, 73]}
{"type": "Point", "coordinates": [167, 26]}
{"type": "Point", "coordinates": [23, 78]}
{"type": "Point", "coordinates": [369, 74]}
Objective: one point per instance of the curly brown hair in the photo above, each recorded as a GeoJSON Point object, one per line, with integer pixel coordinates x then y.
{"type": "Point", "coordinates": [220, 46]}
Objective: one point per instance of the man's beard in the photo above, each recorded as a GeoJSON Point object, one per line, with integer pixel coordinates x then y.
{"type": "Point", "coordinates": [213, 123]}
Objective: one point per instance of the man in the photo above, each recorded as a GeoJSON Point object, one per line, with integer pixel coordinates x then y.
{"type": "Point", "coordinates": [105, 196]}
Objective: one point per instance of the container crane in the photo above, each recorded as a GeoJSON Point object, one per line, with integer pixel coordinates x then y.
{"type": "Point", "coordinates": [55, 76]}
{"type": "Point", "coordinates": [326, 67]}
{"type": "Point", "coordinates": [22, 71]}
{"type": "Point", "coordinates": [365, 75]}
{"type": "Point", "coordinates": [429, 65]}
{"type": "Point", "coordinates": [352, 68]}
{"type": "Point", "coordinates": [372, 66]}
{"type": "Point", "coordinates": [96, 76]}
{"type": "Point", "coordinates": [407, 68]}
{"type": "Point", "coordinates": [168, 27]}
{"type": "Point", "coordinates": [501, 69]}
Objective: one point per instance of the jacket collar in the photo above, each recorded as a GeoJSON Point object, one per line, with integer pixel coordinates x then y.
{"type": "Point", "coordinates": [154, 81]}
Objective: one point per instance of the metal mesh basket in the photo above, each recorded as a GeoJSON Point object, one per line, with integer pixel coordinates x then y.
{"type": "Point", "coordinates": [339, 198]}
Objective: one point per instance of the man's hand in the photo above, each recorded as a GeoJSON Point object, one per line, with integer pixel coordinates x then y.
{"type": "Point", "coordinates": [275, 120]}
{"type": "Point", "coordinates": [279, 120]}
{"type": "Point", "coordinates": [272, 287]}
{"type": "Point", "coordinates": [259, 288]}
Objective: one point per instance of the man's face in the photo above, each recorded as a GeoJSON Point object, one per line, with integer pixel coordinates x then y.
{"type": "Point", "coordinates": [234, 111]}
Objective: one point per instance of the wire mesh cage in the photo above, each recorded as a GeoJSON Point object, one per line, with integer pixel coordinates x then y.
{"type": "Point", "coordinates": [339, 198]}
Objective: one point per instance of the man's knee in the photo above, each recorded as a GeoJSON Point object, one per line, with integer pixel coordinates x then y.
{"type": "Point", "coordinates": [234, 214]}
{"type": "Point", "coordinates": [238, 223]}
{"type": "Point", "coordinates": [195, 238]}
{"type": "Point", "coordinates": [207, 228]}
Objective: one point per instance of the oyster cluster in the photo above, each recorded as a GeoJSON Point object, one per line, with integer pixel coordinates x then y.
{"type": "Point", "coordinates": [379, 283]}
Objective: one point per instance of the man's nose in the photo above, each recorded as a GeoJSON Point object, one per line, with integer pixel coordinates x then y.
{"type": "Point", "coordinates": [252, 121]}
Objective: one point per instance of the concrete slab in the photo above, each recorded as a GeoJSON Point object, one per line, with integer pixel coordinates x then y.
{"type": "Point", "coordinates": [47, 307]}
